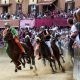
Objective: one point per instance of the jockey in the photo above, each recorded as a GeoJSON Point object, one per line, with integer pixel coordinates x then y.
{"type": "Point", "coordinates": [15, 36]}
{"type": "Point", "coordinates": [45, 33]}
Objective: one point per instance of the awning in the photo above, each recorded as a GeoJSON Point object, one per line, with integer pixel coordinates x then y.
{"type": "Point", "coordinates": [48, 2]}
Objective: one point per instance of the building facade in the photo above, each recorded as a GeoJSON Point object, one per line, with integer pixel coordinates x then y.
{"type": "Point", "coordinates": [68, 4]}
{"type": "Point", "coordinates": [12, 6]}
{"type": "Point", "coordinates": [59, 4]}
{"type": "Point", "coordinates": [28, 6]}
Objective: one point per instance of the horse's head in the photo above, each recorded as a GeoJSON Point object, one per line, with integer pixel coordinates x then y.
{"type": "Point", "coordinates": [8, 35]}
{"type": "Point", "coordinates": [38, 40]}
{"type": "Point", "coordinates": [55, 37]}
{"type": "Point", "coordinates": [27, 39]}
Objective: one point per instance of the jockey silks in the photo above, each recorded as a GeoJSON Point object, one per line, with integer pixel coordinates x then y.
{"type": "Point", "coordinates": [15, 36]}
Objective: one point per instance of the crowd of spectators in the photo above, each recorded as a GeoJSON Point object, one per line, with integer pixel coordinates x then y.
{"type": "Point", "coordinates": [53, 14]}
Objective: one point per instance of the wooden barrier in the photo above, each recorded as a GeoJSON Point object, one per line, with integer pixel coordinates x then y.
{"type": "Point", "coordinates": [13, 23]}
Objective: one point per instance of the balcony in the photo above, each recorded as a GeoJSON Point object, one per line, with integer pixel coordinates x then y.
{"type": "Point", "coordinates": [4, 5]}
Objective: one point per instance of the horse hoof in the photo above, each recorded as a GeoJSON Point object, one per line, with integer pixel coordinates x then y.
{"type": "Point", "coordinates": [53, 72]}
{"type": "Point", "coordinates": [16, 70]}
{"type": "Point", "coordinates": [19, 68]}
{"type": "Point", "coordinates": [55, 68]}
{"type": "Point", "coordinates": [28, 62]}
{"type": "Point", "coordinates": [63, 61]}
{"type": "Point", "coordinates": [63, 70]}
{"type": "Point", "coordinates": [31, 67]}
{"type": "Point", "coordinates": [23, 65]}
{"type": "Point", "coordinates": [11, 61]}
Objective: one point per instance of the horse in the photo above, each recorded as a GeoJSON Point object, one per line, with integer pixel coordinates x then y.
{"type": "Point", "coordinates": [29, 49]}
{"type": "Point", "coordinates": [45, 53]}
{"type": "Point", "coordinates": [56, 52]}
{"type": "Point", "coordinates": [13, 50]}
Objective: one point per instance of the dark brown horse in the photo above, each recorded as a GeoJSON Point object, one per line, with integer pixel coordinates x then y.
{"type": "Point", "coordinates": [46, 53]}
{"type": "Point", "coordinates": [56, 52]}
{"type": "Point", "coordinates": [29, 49]}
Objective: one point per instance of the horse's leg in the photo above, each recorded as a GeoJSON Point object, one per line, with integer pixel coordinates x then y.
{"type": "Point", "coordinates": [23, 63]}
{"type": "Point", "coordinates": [54, 64]}
{"type": "Point", "coordinates": [62, 59]}
{"type": "Point", "coordinates": [61, 51]}
{"type": "Point", "coordinates": [44, 61]}
{"type": "Point", "coordinates": [60, 66]}
{"type": "Point", "coordinates": [28, 59]}
{"type": "Point", "coordinates": [51, 65]}
{"type": "Point", "coordinates": [16, 69]}
{"type": "Point", "coordinates": [17, 66]}
{"type": "Point", "coordinates": [33, 62]}
{"type": "Point", "coordinates": [50, 61]}
{"type": "Point", "coordinates": [21, 57]}
{"type": "Point", "coordinates": [30, 63]}
{"type": "Point", "coordinates": [72, 60]}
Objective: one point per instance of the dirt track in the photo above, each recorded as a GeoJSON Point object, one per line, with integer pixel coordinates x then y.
{"type": "Point", "coordinates": [43, 73]}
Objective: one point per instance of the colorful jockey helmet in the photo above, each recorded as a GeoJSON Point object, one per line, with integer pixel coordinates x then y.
{"type": "Point", "coordinates": [7, 25]}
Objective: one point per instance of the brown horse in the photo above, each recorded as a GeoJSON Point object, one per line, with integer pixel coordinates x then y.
{"type": "Point", "coordinates": [13, 50]}
{"type": "Point", "coordinates": [56, 52]}
{"type": "Point", "coordinates": [29, 49]}
{"type": "Point", "coordinates": [46, 53]}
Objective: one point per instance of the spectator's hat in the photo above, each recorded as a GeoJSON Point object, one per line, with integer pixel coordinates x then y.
{"type": "Point", "coordinates": [7, 24]}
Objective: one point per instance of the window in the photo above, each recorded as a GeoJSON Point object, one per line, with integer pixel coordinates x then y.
{"type": "Point", "coordinates": [4, 1]}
